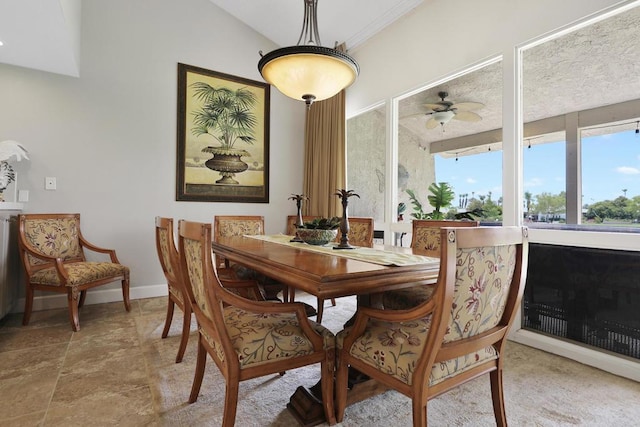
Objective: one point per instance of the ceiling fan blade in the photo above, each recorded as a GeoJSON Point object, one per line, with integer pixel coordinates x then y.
{"type": "Point", "coordinates": [467, 116]}
{"type": "Point", "coordinates": [467, 106]}
{"type": "Point", "coordinates": [432, 123]}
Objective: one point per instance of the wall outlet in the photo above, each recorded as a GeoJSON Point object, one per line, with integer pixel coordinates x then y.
{"type": "Point", "coordinates": [49, 183]}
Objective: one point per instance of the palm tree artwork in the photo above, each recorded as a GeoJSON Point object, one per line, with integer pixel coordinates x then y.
{"type": "Point", "coordinates": [228, 117]}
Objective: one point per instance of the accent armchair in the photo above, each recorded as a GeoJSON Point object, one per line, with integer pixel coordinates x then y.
{"type": "Point", "coordinates": [52, 250]}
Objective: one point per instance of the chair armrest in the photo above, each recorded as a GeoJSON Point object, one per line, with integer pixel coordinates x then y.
{"type": "Point", "coordinates": [50, 261]}
{"type": "Point", "coordinates": [88, 245]}
{"type": "Point", "coordinates": [395, 316]}
{"type": "Point", "coordinates": [277, 307]}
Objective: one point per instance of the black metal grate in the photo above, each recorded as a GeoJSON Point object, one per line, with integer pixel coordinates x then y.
{"type": "Point", "coordinates": [590, 296]}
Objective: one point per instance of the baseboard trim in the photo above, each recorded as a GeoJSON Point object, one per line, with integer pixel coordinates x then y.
{"type": "Point", "coordinates": [618, 365]}
{"type": "Point", "coordinates": [50, 301]}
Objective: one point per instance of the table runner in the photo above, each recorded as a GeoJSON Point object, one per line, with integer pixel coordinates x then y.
{"type": "Point", "coordinates": [375, 256]}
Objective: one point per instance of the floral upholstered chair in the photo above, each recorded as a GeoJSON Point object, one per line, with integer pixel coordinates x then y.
{"type": "Point", "coordinates": [360, 234]}
{"type": "Point", "coordinates": [52, 250]}
{"type": "Point", "coordinates": [239, 225]}
{"type": "Point", "coordinates": [456, 335]}
{"type": "Point", "coordinates": [170, 262]}
{"type": "Point", "coordinates": [425, 240]}
{"type": "Point", "coordinates": [248, 339]}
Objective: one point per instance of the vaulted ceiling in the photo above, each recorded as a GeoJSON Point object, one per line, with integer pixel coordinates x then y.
{"type": "Point", "coordinates": [591, 67]}
{"type": "Point", "coordinates": [596, 65]}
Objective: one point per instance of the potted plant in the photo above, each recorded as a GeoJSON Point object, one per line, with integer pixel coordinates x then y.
{"type": "Point", "coordinates": [320, 231]}
{"type": "Point", "coordinates": [441, 197]}
{"type": "Point", "coordinates": [227, 116]}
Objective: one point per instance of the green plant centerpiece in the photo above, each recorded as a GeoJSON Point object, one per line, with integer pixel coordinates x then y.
{"type": "Point", "coordinates": [320, 231]}
{"type": "Point", "coordinates": [227, 116]}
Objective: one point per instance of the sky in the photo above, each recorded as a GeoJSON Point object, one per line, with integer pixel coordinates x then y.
{"type": "Point", "coordinates": [610, 163]}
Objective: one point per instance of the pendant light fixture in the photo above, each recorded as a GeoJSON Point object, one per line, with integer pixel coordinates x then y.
{"type": "Point", "coordinates": [308, 71]}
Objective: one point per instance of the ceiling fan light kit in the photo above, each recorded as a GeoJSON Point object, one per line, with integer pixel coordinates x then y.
{"type": "Point", "coordinates": [308, 71]}
{"type": "Point", "coordinates": [443, 117]}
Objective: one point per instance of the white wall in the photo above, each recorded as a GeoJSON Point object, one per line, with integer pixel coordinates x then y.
{"type": "Point", "coordinates": [109, 136]}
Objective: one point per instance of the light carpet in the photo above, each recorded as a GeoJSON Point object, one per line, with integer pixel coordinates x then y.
{"type": "Point", "coordinates": [541, 389]}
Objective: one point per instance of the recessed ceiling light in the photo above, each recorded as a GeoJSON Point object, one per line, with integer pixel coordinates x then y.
{"type": "Point", "coordinates": [1, 43]}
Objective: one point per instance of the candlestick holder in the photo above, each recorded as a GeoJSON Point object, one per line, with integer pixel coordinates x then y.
{"type": "Point", "coordinates": [298, 198]}
{"type": "Point", "coordinates": [344, 222]}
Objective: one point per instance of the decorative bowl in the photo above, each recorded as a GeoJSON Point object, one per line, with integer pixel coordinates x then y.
{"type": "Point", "coordinates": [315, 236]}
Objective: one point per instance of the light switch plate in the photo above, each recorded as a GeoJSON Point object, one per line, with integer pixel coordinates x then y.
{"type": "Point", "coordinates": [23, 195]}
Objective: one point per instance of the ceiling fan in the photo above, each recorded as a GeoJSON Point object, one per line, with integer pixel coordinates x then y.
{"type": "Point", "coordinates": [442, 111]}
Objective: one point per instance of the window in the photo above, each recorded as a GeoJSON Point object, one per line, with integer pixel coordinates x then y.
{"type": "Point", "coordinates": [545, 179]}
{"type": "Point", "coordinates": [611, 176]}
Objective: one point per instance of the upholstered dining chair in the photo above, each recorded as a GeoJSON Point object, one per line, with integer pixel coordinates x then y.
{"type": "Point", "coordinates": [170, 262]}
{"type": "Point", "coordinates": [425, 240]}
{"type": "Point", "coordinates": [238, 225]}
{"type": "Point", "coordinates": [456, 335]}
{"type": "Point", "coordinates": [52, 250]}
{"type": "Point", "coordinates": [360, 234]}
{"type": "Point", "coordinates": [247, 339]}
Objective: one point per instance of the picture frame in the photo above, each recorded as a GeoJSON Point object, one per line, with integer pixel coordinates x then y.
{"type": "Point", "coordinates": [222, 137]}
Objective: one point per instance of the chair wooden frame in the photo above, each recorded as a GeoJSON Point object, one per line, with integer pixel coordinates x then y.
{"type": "Point", "coordinates": [439, 308]}
{"type": "Point", "coordinates": [170, 262]}
{"type": "Point", "coordinates": [35, 261]}
{"type": "Point", "coordinates": [367, 241]}
{"type": "Point", "coordinates": [218, 296]}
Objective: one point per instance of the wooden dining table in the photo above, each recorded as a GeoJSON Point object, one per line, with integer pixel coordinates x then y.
{"type": "Point", "coordinates": [327, 274]}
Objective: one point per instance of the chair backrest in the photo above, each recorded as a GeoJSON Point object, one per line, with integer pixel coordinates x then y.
{"type": "Point", "coordinates": [360, 232]}
{"type": "Point", "coordinates": [53, 235]}
{"type": "Point", "coordinates": [200, 280]}
{"type": "Point", "coordinates": [360, 229]}
{"type": "Point", "coordinates": [237, 225]}
{"type": "Point", "coordinates": [291, 222]}
{"type": "Point", "coordinates": [425, 239]}
{"type": "Point", "coordinates": [482, 278]}
{"type": "Point", "coordinates": [168, 255]}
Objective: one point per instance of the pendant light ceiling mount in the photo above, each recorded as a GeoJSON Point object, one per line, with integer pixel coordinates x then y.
{"type": "Point", "coordinates": [308, 71]}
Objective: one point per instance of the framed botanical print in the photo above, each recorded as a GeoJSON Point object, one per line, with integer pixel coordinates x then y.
{"type": "Point", "coordinates": [223, 137]}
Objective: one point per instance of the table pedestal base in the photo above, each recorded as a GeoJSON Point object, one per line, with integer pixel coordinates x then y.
{"type": "Point", "coordinates": [306, 403]}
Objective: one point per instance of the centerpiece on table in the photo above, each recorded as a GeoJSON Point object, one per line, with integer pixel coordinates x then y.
{"type": "Point", "coordinates": [320, 231]}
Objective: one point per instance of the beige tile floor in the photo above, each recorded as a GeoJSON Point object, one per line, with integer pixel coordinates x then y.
{"type": "Point", "coordinates": [117, 371]}
{"type": "Point", "coordinates": [52, 376]}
